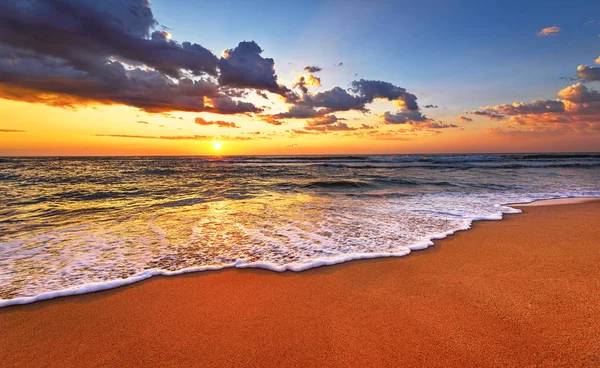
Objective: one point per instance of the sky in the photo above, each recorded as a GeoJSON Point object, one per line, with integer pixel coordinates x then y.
{"type": "Point", "coordinates": [185, 77]}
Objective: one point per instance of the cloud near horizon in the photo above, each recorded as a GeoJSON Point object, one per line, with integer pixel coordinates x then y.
{"type": "Point", "coordinates": [576, 111]}
{"type": "Point", "coordinates": [219, 123]}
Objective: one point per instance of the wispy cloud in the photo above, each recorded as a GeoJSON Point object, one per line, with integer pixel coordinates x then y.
{"type": "Point", "coordinates": [219, 123]}
{"type": "Point", "coordinates": [549, 31]}
{"type": "Point", "coordinates": [12, 131]}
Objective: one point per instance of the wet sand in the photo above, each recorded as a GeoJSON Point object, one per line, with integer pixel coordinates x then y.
{"type": "Point", "coordinates": [522, 292]}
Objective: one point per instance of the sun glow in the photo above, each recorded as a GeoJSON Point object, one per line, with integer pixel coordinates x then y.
{"type": "Point", "coordinates": [217, 145]}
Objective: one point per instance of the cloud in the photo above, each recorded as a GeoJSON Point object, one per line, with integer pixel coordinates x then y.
{"type": "Point", "coordinates": [549, 31]}
{"type": "Point", "coordinates": [244, 67]}
{"type": "Point", "coordinates": [271, 120]}
{"type": "Point", "coordinates": [363, 92]}
{"type": "Point", "coordinates": [305, 82]}
{"type": "Point", "coordinates": [597, 61]}
{"type": "Point", "coordinates": [301, 112]}
{"type": "Point", "coordinates": [178, 137]}
{"type": "Point", "coordinates": [414, 119]}
{"type": "Point", "coordinates": [464, 118]}
{"type": "Point", "coordinates": [489, 114]}
{"type": "Point", "coordinates": [142, 122]}
{"type": "Point", "coordinates": [312, 69]}
{"type": "Point", "coordinates": [86, 33]}
{"type": "Point", "coordinates": [370, 90]}
{"type": "Point", "coordinates": [219, 123]}
{"type": "Point", "coordinates": [323, 120]}
{"type": "Point", "coordinates": [579, 93]}
{"type": "Point", "coordinates": [578, 111]}
{"type": "Point", "coordinates": [337, 127]}
{"type": "Point", "coordinates": [430, 106]}
{"type": "Point", "coordinates": [535, 107]}
{"type": "Point", "coordinates": [106, 53]}
{"type": "Point", "coordinates": [588, 73]}
{"type": "Point", "coordinates": [12, 131]}
{"type": "Point", "coordinates": [403, 117]}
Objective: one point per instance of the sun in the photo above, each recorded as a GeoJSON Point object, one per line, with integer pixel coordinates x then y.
{"type": "Point", "coordinates": [217, 145]}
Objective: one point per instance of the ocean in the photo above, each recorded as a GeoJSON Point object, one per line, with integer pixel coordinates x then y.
{"type": "Point", "coordinates": [74, 225]}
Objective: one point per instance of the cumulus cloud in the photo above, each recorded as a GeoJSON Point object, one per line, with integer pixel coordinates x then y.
{"type": "Point", "coordinates": [465, 118]}
{"type": "Point", "coordinates": [363, 92]}
{"type": "Point", "coordinates": [86, 33]}
{"type": "Point", "coordinates": [109, 53]}
{"type": "Point", "coordinates": [588, 73]}
{"type": "Point", "coordinates": [219, 123]}
{"type": "Point", "coordinates": [549, 31]}
{"type": "Point", "coordinates": [244, 67]}
{"type": "Point", "coordinates": [579, 93]}
{"type": "Point", "coordinates": [312, 69]}
{"type": "Point", "coordinates": [578, 111]}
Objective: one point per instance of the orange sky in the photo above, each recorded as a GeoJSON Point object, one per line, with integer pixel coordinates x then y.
{"type": "Point", "coordinates": [57, 131]}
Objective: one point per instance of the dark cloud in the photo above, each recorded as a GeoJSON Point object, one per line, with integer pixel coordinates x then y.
{"type": "Point", "coordinates": [363, 92]}
{"type": "Point", "coordinates": [489, 114]}
{"type": "Point", "coordinates": [244, 67]}
{"type": "Point", "coordinates": [369, 90]}
{"type": "Point", "coordinates": [403, 117]}
{"type": "Point", "coordinates": [312, 69]}
{"type": "Point", "coordinates": [415, 120]}
{"type": "Point", "coordinates": [100, 53]}
{"type": "Point", "coordinates": [86, 33]}
{"type": "Point", "coordinates": [465, 118]}
{"type": "Point", "coordinates": [219, 123]}
{"type": "Point", "coordinates": [145, 89]}
{"type": "Point", "coordinates": [588, 73]}
{"type": "Point", "coordinates": [337, 127]}
{"type": "Point", "coordinates": [301, 112]}
{"type": "Point", "coordinates": [323, 120]}
{"type": "Point", "coordinates": [430, 106]}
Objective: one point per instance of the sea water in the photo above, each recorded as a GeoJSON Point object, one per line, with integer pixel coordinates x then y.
{"type": "Point", "coordinates": [75, 225]}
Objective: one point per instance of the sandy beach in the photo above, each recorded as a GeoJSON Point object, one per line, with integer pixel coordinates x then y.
{"type": "Point", "coordinates": [522, 292]}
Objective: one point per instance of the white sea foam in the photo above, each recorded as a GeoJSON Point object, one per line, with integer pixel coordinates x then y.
{"type": "Point", "coordinates": [251, 234]}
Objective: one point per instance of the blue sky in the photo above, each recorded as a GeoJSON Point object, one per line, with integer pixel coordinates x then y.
{"type": "Point", "coordinates": [460, 54]}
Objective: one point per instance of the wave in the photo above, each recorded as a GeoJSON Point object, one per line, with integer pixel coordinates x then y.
{"type": "Point", "coordinates": [340, 184]}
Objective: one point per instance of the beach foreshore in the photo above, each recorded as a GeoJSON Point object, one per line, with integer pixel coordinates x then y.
{"type": "Point", "coordinates": [521, 292]}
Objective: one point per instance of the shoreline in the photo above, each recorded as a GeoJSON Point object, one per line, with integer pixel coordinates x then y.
{"type": "Point", "coordinates": [113, 284]}
{"type": "Point", "coordinates": [518, 292]}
